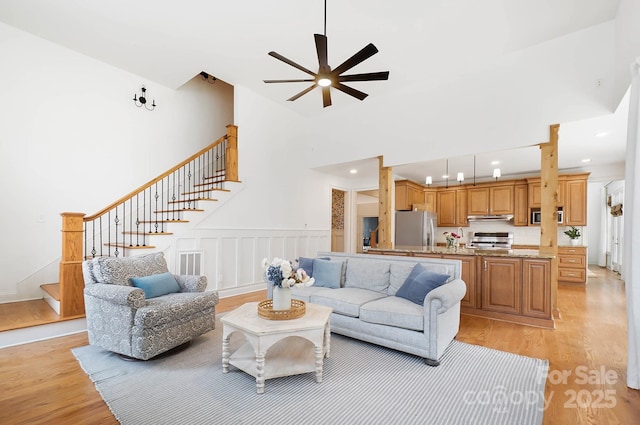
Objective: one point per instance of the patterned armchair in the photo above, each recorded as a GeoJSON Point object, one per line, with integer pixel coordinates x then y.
{"type": "Point", "coordinates": [121, 319]}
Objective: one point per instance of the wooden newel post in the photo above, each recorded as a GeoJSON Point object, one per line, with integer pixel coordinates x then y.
{"type": "Point", "coordinates": [71, 280]}
{"type": "Point", "coordinates": [231, 156]}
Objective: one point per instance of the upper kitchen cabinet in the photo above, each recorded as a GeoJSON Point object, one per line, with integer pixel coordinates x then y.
{"type": "Point", "coordinates": [492, 199]}
{"type": "Point", "coordinates": [575, 208]}
{"type": "Point", "coordinates": [452, 207]}
{"type": "Point", "coordinates": [535, 192]}
{"type": "Point", "coordinates": [408, 194]}
{"type": "Point", "coordinates": [572, 197]}
{"type": "Point", "coordinates": [520, 206]}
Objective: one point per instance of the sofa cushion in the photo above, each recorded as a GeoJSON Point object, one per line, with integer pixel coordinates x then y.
{"type": "Point", "coordinates": [304, 292]}
{"type": "Point", "coordinates": [419, 283]}
{"type": "Point", "coordinates": [394, 311]}
{"type": "Point", "coordinates": [398, 273]}
{"type": "Point", "coordinates": [327, 273]}
{"type": "Point", "coordinates": [367, 274]}
{"type": "Point", "coordinates": [156, 285]}
{"type": "Point", "coordinates": [119, 271]}
{"type": "Point", "coordinates": [345, 301]}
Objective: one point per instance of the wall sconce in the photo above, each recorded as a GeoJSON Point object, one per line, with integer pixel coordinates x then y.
{"type": "Point", "coordinates": [142, 100]}
{"type": "Point", "coordinates": [429, 181]}
{"type": "Point", "coordinates": [496, 173]}
{"type": "Point", "coordinates": [460, 177]}
{"type": "Point", "coordinates": [206, 76]}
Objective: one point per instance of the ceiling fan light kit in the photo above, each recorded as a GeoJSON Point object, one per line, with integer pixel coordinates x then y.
{"type": "Point", "coordinates": [327, 78]}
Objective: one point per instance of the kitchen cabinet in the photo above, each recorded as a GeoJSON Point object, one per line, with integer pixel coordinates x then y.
{"type": "Point", "coordinates": [451, 206]}
{"type": "Point", "coordinates": [430, 200]}
{"type": "Point", "coordinates": [494, 199]}
{"type": "Point", "coordinates": [520, 205]}
{"type": "Point", "coordinates": [572, 264]}
{"type": "Point", "coordinates": [408, 193]}
{"type": "Point", "coordinates": [501, 284]}
{"type": "Point", "coordinates": [469, 276]}
{"type": "Point", "coordinates": [536, 288]}
{"type": "Point", "coordinates": [575, 208]}
{"type": "Point", "coordinates": [535, 192]}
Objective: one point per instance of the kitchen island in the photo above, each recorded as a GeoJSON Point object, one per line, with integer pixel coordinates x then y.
{"type": "Point", "coordinates": [513, 285]}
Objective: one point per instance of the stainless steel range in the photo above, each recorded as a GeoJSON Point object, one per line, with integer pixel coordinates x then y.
{"type": "Point", "coordinates": [490, 240]}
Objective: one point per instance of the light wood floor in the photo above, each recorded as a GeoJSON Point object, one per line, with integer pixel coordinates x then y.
{"type": "Point", "coordinates": [42, 382]}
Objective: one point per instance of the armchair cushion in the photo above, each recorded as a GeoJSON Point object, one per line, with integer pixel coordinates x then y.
{"type": "Point", "coordinates": [156, 285]}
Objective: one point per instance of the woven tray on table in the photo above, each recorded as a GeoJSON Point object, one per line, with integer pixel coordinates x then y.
{"type": "Point", "coordinates": [266, 311]}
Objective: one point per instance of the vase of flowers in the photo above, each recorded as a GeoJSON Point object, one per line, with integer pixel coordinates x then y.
{"type": "Point", "coordinates": [452, 239]}
{"type": "Point", "coordinates": [282, 275]}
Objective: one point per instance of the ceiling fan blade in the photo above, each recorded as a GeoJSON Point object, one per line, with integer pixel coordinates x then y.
{"type": "Point", "coordinates": [366, 52]}
{"type": "Point", "coordinates": [370, 76]}
{"type": "Point", "coordinates": [350, 91]}
{"type": "Point", "coordinates": [321, 49]}
{"type": "Point", "coordinates": [292, 63]}
{"type": "Point", "coordinates": [308, 80]}
{"type": "Point", "coordinates": [326, 96]}
{"type": "Point", "coordinates": [302, 93]}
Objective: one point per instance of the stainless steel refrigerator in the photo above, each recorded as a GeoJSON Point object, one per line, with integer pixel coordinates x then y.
{"type": "Point", "coordinates": [416, 229]}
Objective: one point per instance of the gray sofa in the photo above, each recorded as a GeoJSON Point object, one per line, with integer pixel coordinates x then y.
{"type": "Point", "coordinates": [121, 319]}
{"type": "Point", "coordinates": [365, 306]}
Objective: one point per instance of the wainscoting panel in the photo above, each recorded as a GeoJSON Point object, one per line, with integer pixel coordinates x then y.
{"type": "Point", "coordinates": [233, 257]}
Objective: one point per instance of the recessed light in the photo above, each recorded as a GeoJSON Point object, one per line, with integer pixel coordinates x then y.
{"type": "Point", "coordinates": [444, 176]}
{"type": "Point", "coordinates": [586, 160]}
{"type": "Point", "coordinates": [354, 171]}
{"type": "Point", "coordinates": [495, 162]}
{"type": "Point", "coordinates": [602, 134]}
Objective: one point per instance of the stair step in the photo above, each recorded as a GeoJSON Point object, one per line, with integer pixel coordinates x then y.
{"type": "Point", "coordinates": [52, 295]}
{"type": "Point", "coordinates": [216, 181]}
{"type": "Point", "coordinates": [192, 200]}
{"type": "Point", "coordinates": [205, 190]}
{"type": "Point", "coordinates": [148, 233]}
{"type": "Point", "coordinates": [53, 289]}
{"type": "Point", "coordinates": [125, 246]}
{"type": "Point", "coordinates": [179, 210]}
{"type": "Point", "coordinates": [163, 221]}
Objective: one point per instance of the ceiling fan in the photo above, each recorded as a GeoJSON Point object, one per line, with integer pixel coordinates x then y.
{"type": "Point", "coordinates": [327, 77]}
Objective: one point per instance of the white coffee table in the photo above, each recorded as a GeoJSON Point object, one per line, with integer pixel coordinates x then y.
{"type": "Point", "coordinates": [265, 355]}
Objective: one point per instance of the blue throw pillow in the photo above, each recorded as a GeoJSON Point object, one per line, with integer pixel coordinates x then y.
{"type": "Point", "coordinates": [156, 284]}
{"type": "Point", "coordinates": [327, 273]}
{"type": "Point", "coordinates": [419, 283]}
{"type": "Point", "coordinates": [306, 264]}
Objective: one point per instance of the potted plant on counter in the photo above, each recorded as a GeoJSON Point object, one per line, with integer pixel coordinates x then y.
{"type": "Point", "coordinates": [574, 234]}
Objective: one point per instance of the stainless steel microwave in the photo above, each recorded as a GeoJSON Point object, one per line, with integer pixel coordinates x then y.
{"type": "Point", "coordinates": [536, 216]}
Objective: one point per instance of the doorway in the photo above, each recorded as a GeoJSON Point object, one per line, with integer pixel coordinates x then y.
{"type": "Point", "coordinates": [615, 225]}
{"type": "Point", "coordinates": [367, 219]}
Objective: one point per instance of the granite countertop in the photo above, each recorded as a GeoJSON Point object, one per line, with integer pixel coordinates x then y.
{"type": "Point", "coordinates": [520, 253]}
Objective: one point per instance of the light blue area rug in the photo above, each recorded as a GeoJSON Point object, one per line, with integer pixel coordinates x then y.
{"type": "Point", "coordinates": [362, 384]}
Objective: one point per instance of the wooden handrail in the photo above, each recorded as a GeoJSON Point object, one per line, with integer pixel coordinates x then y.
{"type": "Point", "coordinates": [157, 179]}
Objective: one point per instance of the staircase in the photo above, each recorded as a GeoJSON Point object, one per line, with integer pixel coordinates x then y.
{"type": "Point", "coordinates": [142, 219]}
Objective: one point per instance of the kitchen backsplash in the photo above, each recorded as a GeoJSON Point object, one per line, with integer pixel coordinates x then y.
{"type": "Point", "coordinates": [522, 235]}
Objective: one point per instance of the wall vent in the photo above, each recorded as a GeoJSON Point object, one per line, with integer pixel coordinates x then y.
{"type": "Point", "coordinates": [190, 263]}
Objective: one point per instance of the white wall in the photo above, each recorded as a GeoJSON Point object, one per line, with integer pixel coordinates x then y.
{"type": "Point", "coordinates": [71, 139]}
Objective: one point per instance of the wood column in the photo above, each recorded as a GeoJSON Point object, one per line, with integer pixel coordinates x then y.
{"type": "Point", "coordinates": [549, 208]}
{"type": "Point", "coordinates": [231, 155]}
{"type": "Point", "coordinates": [71, 279]}
{"type": "Point", "coordinates": [385, 212]}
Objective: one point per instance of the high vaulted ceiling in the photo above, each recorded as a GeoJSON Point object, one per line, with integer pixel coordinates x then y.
{"type": "Point", "coordinates": [490, 74]}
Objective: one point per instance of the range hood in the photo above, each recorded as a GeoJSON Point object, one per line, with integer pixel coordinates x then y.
{"type": "Point", "coordinates": [491, 217]}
